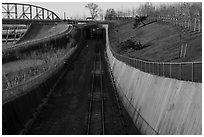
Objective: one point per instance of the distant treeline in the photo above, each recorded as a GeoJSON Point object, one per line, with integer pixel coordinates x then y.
{"type": "Point", "coordinates": [188, 10]}
{"type": "Point", "coordinates": [184, 10]}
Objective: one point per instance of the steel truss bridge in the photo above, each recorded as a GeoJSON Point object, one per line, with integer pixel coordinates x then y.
{"type": "Point", "coordinates": [18, 13]}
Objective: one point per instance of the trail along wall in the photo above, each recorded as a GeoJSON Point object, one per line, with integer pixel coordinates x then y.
{"type": "Point", "coordinates": [157, 105]}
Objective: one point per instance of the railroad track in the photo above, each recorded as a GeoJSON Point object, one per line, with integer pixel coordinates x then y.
{"type": "Point", "coordinates": [118, 102]}
{"type": "Point", "coordinates": [96, 118]}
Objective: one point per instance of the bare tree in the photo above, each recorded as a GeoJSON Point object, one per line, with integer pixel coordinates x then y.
{"type": "Point", "coordinates": [129, 12]}
{"type": "Point", "coordinates": [133, 12]}
{"type": "Point", "coordinates": [94, 10]}
{"type": "Point", "coordinates": [101, 14]}
{"type": "Point", "coordinates": [84, 17]}
{"type": "Point", "coordinates": [119, 13]}
{"type": "Point", "coordinates": [110, 14]}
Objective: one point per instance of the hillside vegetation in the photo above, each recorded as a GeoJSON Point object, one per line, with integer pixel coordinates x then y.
{"type": "Point", "coordinates": [162, 41]}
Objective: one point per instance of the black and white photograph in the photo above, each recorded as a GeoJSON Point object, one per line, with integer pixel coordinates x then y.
{"type": "Point", "coordinates": [101, 68]}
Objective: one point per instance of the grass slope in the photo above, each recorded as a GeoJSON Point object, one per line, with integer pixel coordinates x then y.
{"type": "Point", "coordinates": [164, 41]}
{"type": "Point", "coordinates": [40, 31]}
{"type": "Point", "coordinates": [20, 64]}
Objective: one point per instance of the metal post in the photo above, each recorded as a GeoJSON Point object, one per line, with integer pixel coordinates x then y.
{"type": "Point", "coordinates": [180, 70]}
{"type": "Point", "coordinates": [43, 16]}
{"type": "Point", "coordinates": [163, 69]}
{"type": "Point", "coordinates": [30, 12]}
{"type": "Point", "coordinates": [158, 68]}
{"type": "Point", "coordinates": [139, 65]}
{"type": "Point", "coordinates": [132, 61]}
{"type": "Point", "coordinates": [195, 25]}
{"type": "Point", "coordinates": [52, 16]}
{"type": "Point", "coordinates": [36, 12]}
{"type": "Point", "coordinates": [135, 63]}
{"type": "Point", "coordinates": [23, 11]}
{"type": "Point", "coordinates": [145, 66]}
{"type": "Point", "coordinates": [16, 11]}
{"type": "Point", "coordinates": [170, 70]}
{"type": "Point", "coordinates": [8, 13]}
{"type": "Point", "coordinates": [149, 68]}
{"type": "Point", "coordinates": [153, 67]}
{"type": "Point", "coordinates": [199, 26]}
{"type": "Point", "coordinates": [185, 50]}
{"type": "Point", "coordinates": [48, 14]}
{"type": "Point", "coordinates": [192, 71]}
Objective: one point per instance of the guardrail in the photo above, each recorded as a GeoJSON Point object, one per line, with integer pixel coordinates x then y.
{"type": "Point", "coordinates": [186, 71]}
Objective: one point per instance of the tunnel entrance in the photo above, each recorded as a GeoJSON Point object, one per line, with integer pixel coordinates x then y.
{"type": "Point", "coordinates": [95, 32]}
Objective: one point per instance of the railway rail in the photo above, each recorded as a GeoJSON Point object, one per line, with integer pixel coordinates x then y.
{"type": "Point", "coordinates": [84, 101]}
{"type": "Point", "coordinates": [104, 101]}
{"type": "Point", "coordinates": [96, 119]}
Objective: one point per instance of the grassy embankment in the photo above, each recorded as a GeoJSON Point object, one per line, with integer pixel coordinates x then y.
{"type": "Point", "coordinates": [35, 61]}
{"type": "Point", "coordinates": [163, 40]}
{"type": "Point", "coordinates": [163, 45]}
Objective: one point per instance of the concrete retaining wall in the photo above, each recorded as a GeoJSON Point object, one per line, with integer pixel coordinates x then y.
{"type": "Point", "coordinates": [22, 104]}
{"type": "Point", "coordinates": [28, 98]}
{"type": "Point", "coordinates": [156, 104]}
{"type": "Point", "coordinates": [17, 112]}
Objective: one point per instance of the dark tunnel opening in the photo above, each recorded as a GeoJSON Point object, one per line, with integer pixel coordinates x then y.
{"type": "Point", "coordinates": [95, 33]}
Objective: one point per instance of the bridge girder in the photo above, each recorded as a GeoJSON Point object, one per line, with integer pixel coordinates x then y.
{"type": "Point", "coordinates": [18, 11]}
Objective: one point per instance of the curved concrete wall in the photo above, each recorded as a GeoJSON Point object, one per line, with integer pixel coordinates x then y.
{"type": "Point", "coordinates": [156, 104]}
{"type": "Point", "coordinates": [22, 104]}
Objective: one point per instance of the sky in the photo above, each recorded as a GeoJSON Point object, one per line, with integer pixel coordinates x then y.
{"type": "Point", "coordinates": [78, 10]}
{"type": "Point", "coordinates": [74, 9]}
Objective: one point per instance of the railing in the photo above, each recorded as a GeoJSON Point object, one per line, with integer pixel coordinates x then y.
{"type": "Point", "coordinates": [186, 71]}
{"type": "Point", "coordinates": [194, 24]}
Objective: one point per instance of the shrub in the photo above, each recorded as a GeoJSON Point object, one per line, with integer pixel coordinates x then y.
{"type": "Point", "coordinates": [130, 44]}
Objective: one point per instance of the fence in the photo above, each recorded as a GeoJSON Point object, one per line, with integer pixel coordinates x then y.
{"type": "Point", "coordinates": [194, 24]}
{"type": "Point", "coordinates": [187, 71]}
